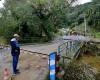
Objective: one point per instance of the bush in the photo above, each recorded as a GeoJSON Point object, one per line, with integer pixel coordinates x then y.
{"type": "Point", "coordinates": [3, 41]}
{"type": "Point", "coordinates": [79, 72]}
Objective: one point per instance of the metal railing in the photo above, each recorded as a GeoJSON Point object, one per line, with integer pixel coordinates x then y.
{"type": "Point", "coordinates": [69, 50]}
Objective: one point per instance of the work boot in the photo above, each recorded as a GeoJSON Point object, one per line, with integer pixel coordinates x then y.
{"type": "Point", "coordinates": [17, 70]}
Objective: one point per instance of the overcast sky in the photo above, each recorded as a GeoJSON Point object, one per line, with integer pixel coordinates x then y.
{"type": "Point", "coordinates": [79, 1]}
{"type": "Point", "coordinates": [84, 1]}
{"type": "Point", "coordinates": [1, 3]}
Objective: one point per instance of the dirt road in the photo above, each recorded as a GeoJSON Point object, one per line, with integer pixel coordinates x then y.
{"type": "Point", "coordinates": [42, 48]}
{"type": "Point", "coordinates": [33, 66]}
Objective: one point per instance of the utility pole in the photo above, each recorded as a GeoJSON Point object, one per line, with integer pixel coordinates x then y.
{"type": "Point", "coordinates": [85, 24]}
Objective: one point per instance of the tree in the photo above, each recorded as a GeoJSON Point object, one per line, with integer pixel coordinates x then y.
{"type": "Point", "coordinates": [36, 17]}
{"type": "Point", "coordinates": [94, 15]}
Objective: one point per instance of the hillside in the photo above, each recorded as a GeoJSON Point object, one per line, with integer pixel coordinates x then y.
{"type": "Point", "coordinates": [91, 11]}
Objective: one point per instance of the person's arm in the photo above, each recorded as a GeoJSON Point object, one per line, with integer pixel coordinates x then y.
{"type": "Point", "coordinates": [14, 45]}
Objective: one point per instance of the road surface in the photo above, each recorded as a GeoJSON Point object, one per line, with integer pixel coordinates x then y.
{"type": "Point", "coordinates": [45, 48]}
{"type": "Point", "coordinates": [32, 66]}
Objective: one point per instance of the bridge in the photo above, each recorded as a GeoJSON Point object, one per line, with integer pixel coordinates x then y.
{"type": "Point", "coordinates": [70, 50]}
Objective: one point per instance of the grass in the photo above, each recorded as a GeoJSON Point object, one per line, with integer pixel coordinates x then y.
{"type": "Point", "coordinates": [3, 41]}
{"type": "Point", "coordinates": [97, 35]}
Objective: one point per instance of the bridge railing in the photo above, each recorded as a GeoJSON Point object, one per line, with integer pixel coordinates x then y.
{"type": "Point", "coordinates": [68, 50]}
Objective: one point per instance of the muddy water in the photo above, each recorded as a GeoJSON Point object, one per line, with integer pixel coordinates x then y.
{"type": "Point", "coordinates": [93, 61]}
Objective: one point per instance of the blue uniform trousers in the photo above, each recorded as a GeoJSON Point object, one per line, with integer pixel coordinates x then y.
{"type": "Point", "coordinates": [15, 62]}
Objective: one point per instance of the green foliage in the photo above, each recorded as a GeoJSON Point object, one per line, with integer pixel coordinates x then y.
{"type": "Point", "coordinates": [39, 18]}
{"type": "Point", "coordinates": [3, 41]}
{"type": "Point", "coordinates": [33, 18]}
{"type": "Point", "coordinates": [94, 15]}
{"type": "Point", "coordinates": [74, 14]}
{"type": "Point", "coordinates": [91, 11]}
{"type": "Point", "coordinates": [97, 34]}
{"type": "Point", "coordinates": [76, 71]}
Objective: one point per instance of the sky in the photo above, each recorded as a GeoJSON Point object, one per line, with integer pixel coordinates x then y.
{"type": "Point", "coordinates": [1, 3]}
{"type": "Point", "coordinates": [84, 1]}
{"type": "Point", "coordinates": [79, 2]}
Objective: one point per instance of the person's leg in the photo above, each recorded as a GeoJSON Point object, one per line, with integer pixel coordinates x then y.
{"type": "Point", "coordinates": [15, 61]}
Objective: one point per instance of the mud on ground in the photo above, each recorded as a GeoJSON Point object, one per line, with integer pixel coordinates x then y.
{"type": "Point", "coordinates": [93, 61]}
{"type": "Point", "coordinates": [32, 66]}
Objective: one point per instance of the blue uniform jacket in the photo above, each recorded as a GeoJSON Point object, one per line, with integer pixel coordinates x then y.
{"type": "Point", "coordinates": [15, 48]}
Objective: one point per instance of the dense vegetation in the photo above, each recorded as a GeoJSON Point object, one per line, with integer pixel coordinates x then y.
{"type": "Point", "coordinates": [33, 18]}
{"type": "Point", "coordinates": [43, 18]}
{"type": "Point", "coordinates": [91, 11]}
{"type": "Point", "coordinates": [81, 71]}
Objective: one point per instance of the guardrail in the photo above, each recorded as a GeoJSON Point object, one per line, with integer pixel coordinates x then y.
{"type": "Point", "coordinates": [69, 50]}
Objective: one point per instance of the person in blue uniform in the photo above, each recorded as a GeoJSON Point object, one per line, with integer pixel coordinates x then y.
{"type": "Point", "coordinates": [15, 52]}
